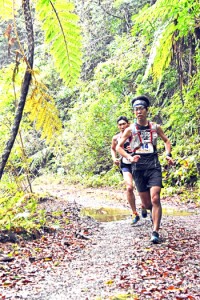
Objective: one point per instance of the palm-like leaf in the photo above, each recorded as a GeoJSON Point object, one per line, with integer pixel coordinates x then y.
{"type": "Point", "coordinates": [43, 112]}
{"type": "Point", "coordinates": [6, 9]}
{"type": "Point", "coordinates": [166, 21]}
{"type": "Point", "coordinates": [62, 33]}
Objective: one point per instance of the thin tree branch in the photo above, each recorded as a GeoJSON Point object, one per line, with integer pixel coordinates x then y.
{"type": "Point", "coordinates": [109, 12]}
{"type": "Point", "coordinates": [24, 88]}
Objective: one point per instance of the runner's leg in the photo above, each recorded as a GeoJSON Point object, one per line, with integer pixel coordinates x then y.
{"type": "Point", "coordinates": [146, 199]}
{"type": "Point", "coordinates": [128, 178]}
{"type": "Point", "coordinates": [156, 207]}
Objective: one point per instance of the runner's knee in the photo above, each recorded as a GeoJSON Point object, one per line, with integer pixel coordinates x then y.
{"type": "Point", "coordinates": [155, 199]}
{"type": "Point", "coordinates": [129, 188]}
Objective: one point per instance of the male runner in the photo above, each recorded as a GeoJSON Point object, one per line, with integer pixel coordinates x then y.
{"type": "Point", "coordinates": [125, 166]}
{"type": "Point", "coordinates": [146, 167]}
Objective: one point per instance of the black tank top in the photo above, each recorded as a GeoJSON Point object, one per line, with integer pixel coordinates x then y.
{"type": "Point", "coordinates": [147, 160]}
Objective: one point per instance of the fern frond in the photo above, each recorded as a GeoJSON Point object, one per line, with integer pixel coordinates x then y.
{"type": "Point", "coordinates": [42, 110]}
{"type": "Point", "coordinates": [62, 33]}
{"type": "Point", "coordinates": [164, 55]}
{"type": "Point", "coordinates": [162, 20]}
{"type": "Point", "coordinates": [160, 12]}
{"type": "Point", "coordinates": [161, 52]}
{"type": "Point", "coordinates": [7, 88]}
{"type": "Point", "coordinates": [6, 9]}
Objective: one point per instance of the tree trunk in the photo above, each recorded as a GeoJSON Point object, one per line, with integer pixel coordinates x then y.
{"type": "Point", "coordinates": [24, 88]}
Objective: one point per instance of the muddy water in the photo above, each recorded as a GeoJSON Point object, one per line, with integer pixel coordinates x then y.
{"type": "Point", "coordinates": [100, 203]}
{"type": "Point", "coordinates": [108, 214]}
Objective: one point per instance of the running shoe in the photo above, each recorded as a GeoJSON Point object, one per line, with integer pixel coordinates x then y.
{"type": "Point", "coordinates": [155, 237]}
{"type": "Point", "coordinates": [143, 212]}
{"type": "Point", "coordinates": [135, 220]}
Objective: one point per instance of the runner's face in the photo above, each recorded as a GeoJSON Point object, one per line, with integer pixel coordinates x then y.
{"type": "Point", "coordinates": [140, 112]}
{"type": "Point", "coordinates": [122, 125]}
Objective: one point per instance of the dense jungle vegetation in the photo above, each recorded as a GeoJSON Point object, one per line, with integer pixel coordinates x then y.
{"type": "Point", "coordinates": [70, 69]}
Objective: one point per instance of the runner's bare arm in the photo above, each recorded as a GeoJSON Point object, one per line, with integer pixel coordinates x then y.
{"type": "Point", "coordinates": [120, 146]}
{"type": "Point", "coordinates": [114, 151]}
{"type": "Point", "coordinates": [167, 145]}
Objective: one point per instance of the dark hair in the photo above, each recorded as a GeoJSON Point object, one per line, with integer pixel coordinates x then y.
{"type": "Point", "coordinates": [143, 98]}
{"type": "Point", "coordinates": [122, 118]}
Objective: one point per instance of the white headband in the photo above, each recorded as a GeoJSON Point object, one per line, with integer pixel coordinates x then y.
{"type": "Point", "coordinates": [140, 102]}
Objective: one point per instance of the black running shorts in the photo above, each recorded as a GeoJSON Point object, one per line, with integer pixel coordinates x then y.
{"type": "Point", "coordinates": [145, 179]}
{"type": "Point", "coordinates": [126, 167]}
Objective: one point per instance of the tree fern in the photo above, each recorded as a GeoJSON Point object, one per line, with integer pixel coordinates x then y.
{"type": "Point", "coordinates": [161, 52]}
{"type": "Point", "coordinates": [6, 9]}
{"type": "Point", "coordinates": [6, 86]}
{"type": "Point", "coordinates": [63, 37]}
{"type": "Point", "coordinates": [62, 34]}
{"type": "Point", "coordinates": [43, 112]}
{"type": "Point", "coordinates": [174, 19]}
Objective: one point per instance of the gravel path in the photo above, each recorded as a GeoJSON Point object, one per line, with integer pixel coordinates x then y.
{"type": "Point", "coordinates": [120, 260]}
{"type": "Point", "coordinates": [113, 264]}
{"type": "Point", "coordinates": [88, 276]}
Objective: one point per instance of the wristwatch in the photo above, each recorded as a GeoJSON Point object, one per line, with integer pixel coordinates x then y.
{"type": "Point", "coordinates": [169, 154]}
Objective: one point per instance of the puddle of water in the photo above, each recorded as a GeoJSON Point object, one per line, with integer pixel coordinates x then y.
{"type": "Point", "coordinates": [108, 214]}
{"type": "Point", "coordinates": [175, 212]}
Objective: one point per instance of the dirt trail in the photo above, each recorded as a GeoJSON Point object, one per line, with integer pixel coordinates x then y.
{"type": "Point", "coordinates": [118, 261]}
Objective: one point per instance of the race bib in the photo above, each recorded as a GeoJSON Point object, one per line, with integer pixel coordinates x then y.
{"type": "Point", "coordinates": [145, 148]}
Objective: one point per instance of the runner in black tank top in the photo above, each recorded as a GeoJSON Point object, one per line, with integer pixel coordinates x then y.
{"type": "Point", "coordinates": [145, 165]}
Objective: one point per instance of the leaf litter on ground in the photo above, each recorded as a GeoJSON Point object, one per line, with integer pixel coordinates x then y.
{"type": "Point", "coordinates": [169, 270]}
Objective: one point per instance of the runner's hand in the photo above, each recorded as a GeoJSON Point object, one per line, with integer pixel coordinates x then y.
{"type": "Point", "coordinates": [134, 158]}
{"type": "Point", "coordinates": [169, 161]}
{"type": "Point", "coordinates": [116, 161]}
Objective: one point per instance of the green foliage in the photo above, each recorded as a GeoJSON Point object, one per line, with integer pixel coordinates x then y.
{"type": "Point", "coordinates": [10, 91]}
{"type": "Point", "coordinates": [119, 67]}
{"type": "Point", "coordinates": [183, 193]}
{"type": "Point", "coordinates": [7, 6]}
{"type": "Point", "coordinates": [160, 57]}
{"type": "Point", "coordinates": [40, 106]}
{"type": "Point", "coordinates": [163, 24]}
{"type": "Point", "coordinates": [91, 134]}
{"type": "Point", "coordinates": [182, 126]}
{"type": "Point", "coordinates": [106, 97]}
{"type": "Point", "coordinates": [101, 23]}
{"type": "Point", "coordinates": [64, 39]}
{"type": "Point", "coordinates": [17, 210]}
{"type": "Point", "coordinates": [92, 122]}
{"type": "Point", "coordinates": [43, 112]}
{"type": "Point", "coordinates": [112, 178]}
{"type": "Point", "coordinates": [21, 163]}
{"type": "Point", "coordinates": [62, 34]}
{"type": "Point", "coordinates": [183, 13]}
